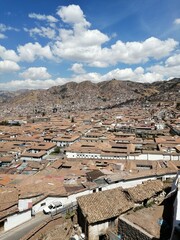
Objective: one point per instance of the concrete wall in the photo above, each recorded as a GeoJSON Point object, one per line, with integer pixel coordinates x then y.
{"type": "Point", "coordinates": [16, 219]}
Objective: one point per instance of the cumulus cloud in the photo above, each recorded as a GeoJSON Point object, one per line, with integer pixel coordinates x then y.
{"type": "Point", "coordinates": [32, 84]}
{"type": "Point", "coordinates": [78, 42]}
{"type": "Point", "coordinates": [46, 32]}
{"type": "Point", "coordinates": [84, 49]}
{"type": "Point", "coordinates": [166, 72]}
{"type": "Point", "coordinates": [30, 52]}
{"type": "Point", "coordinates": [173, 60]}
{"type": "Point", "coordinates": [8, 66]}
{"type": "Point", "coordinates": [177, 21]}
{"type": "Point", "coordinates": [34, 73]}
{"type": "Point", "coordinates": [43, 17]}
{"type": "Point", "coordinates": [77, 68]}
{"type": "Point", "coordinates": [8, 54]}
{"type": "Point", "coordinates": [136, 52]}
{"type": "Point", "coordinates": [82, 44]}
{"type": "Point", "coordinates": [73, 14]}
{"type": "Point", "coordinates": [2, 36]}
{"type": "Point", "coordinates": [137, 75]}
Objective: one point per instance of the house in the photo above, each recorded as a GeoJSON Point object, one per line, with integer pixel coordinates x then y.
{"type": "Point", "coordinates": [93, 175]}
{"type": "Point", "coordinates": [146, 223]}
{"type": "Point", "coordinates": [6, 161]}
{"type": "Point", "coordinates": [42, 146]}
{"type": "Point", "coordinates": [65, 140]}
{"type": "Point", "coordinates": [9, 213]}
{"type": "Point", "coordinates": [28, 156]}
{"type": "Point", "coordinates": [98, 211]}
{"type": "Point", "coordinates": [146, 192]}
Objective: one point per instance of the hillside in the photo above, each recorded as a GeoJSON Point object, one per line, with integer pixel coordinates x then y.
{"type": "Point", "coordinates": [87, 95]}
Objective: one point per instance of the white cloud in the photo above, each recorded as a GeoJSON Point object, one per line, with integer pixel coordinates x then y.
{"type": "Point", "coordinates": [173, 60]}
{"type": "Point", "coordinates": [83, 49]}
{"type": "Point", "coordinates": [36, 81]}
{"type": "Point", "coordinates": [34, 73]}
{"type": "Point", "coordinates": [78, 42]}
{"type": "Point", "coordinates": [138, 52]}
{"type": "Point", "coordinates": [2, 36]}
{"type": "Point", "coordinates": [30, 52]}
{"type": "Point", "coordinates": [136, 75]}
{"type": "Point", "coordinates": [73, 14]}
{"type": "Point", "coordinates": [8, 54]}
{"type": "Point", "coordinates": [43, 17]}
{"type": "Point", "coordinates": [32, 84]}
{"type": "Point", "coordinates": [8, 66]}
{"type": "Point", "coordinates": [177, 21]}
{"type": "Point", "coordinates": [42, 31]}
{"type": "Point", "coordinates": [77, 68]}
{"type": "Point", "coordinates": [166, 72]}
{"type": "Point", "coordinates": [169, 69]}
{"type": "Point", "coordinates": [82, 44]}
{"type": "Point", "coordinates": [4, 28]}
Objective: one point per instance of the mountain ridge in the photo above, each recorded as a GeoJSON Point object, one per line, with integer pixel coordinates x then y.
{"type": "Point", "coordinates": [87, 95]}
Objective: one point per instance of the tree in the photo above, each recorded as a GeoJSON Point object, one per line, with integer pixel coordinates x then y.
{"type": "Point", "coordinates": [57, 150]}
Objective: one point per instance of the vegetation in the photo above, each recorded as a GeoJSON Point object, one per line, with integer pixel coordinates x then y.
{"type": "Point", "coordinates": [57, 150]}
{"type": "Point", "coordinates": [70, 214]}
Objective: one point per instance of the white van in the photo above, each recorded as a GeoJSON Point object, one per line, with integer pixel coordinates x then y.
{"type": "Point", "coordinates": [53, 207]}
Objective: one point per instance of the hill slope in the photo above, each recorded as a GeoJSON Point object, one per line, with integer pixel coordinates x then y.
{"type": "Point", "coordinates": [87, 95]}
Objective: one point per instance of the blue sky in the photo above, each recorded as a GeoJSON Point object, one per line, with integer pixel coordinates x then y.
{"type": "Point", "coordinates": [47, 43]}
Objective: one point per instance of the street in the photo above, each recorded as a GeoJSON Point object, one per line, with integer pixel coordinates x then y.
{"type": "Point", "coordinates": [19, 231]}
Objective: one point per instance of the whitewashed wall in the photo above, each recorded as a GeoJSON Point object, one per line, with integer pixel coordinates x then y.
{"type": "Point", "coordinates": [65, 200]}
{"type": "Point", "coordinates": [143, 156]}
{"type": "Point", "coordinates": [24, 204]}
{"type": "Point", "coordinates": [73, 197]}
{"type": "Point", "coordinates": [16, 219]}
{"type": "Point", "coordinates": [96, 230]}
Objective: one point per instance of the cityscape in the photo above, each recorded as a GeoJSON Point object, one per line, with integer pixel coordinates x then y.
{"type": "Point", "coordinates": [89, 120]}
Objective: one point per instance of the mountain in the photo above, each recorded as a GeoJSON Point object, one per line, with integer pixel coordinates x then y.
{"type": "Point", "coordinates": [87, 95]}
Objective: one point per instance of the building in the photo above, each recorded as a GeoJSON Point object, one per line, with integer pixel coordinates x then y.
{"type": "Point", "coordinates": [98, 211]}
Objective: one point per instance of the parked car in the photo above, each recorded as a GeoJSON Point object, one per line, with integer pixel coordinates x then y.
{"type": "Point", "coordinates": [53, 207]}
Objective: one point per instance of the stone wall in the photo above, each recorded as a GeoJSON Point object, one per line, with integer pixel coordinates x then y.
{"type": "Point", "coordinates": [130, 231]}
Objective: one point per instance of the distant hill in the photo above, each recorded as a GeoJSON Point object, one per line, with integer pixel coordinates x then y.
{"type": "Point", "coordinates": [87, 95]}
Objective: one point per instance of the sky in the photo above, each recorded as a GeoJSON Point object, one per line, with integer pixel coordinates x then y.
{"type": "Point", "coordinates": [45, 43]}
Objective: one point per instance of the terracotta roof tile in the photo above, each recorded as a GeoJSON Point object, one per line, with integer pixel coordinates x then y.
{"type": "Point", "coordinates": [104, 205]}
